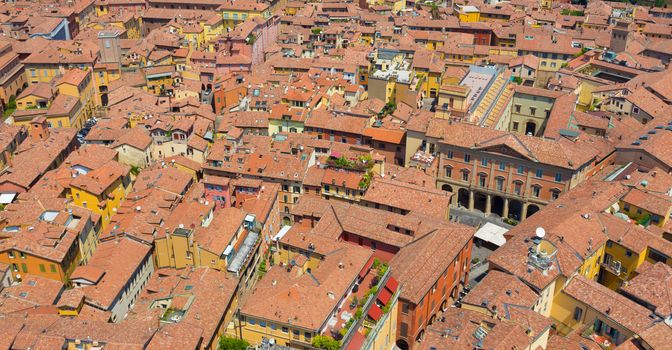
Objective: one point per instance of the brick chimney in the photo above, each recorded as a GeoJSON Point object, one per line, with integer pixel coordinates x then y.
{"type": "Point", "coordinates": [39, 130]}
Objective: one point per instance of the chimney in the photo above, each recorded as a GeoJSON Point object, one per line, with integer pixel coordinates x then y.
{"type": "Point", "coordinates": [39, 130]}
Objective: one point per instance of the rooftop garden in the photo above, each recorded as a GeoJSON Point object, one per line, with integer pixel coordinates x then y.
{"type": "Point", "coordinates": [360, 321]}
{"type": "Point", "coordinates": [363, 162]}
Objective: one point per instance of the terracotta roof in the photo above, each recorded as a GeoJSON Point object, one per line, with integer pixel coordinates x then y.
{"type": "Point", "coordinates": [106, 258]}
{"type": "Point", "coordinates": [418, 265]}
{"type": "Point", "coordinates": [281, 296]}
{"type": "Point", "coordinates": [616, 307]}
{"type": "Point", "coordinates": [393, 193]}
{"type": "Point", "coordinates": [653, 287]}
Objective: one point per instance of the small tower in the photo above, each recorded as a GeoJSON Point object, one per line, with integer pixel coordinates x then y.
{"type": "Point", "coordinates": [39, 130]}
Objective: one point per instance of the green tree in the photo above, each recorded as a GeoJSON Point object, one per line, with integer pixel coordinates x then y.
{"type": "Point", "coordinates": [382, 269]}
{"type": "Point", "coordinates": [343, 162]}
{"type": "Point", "coordinates": [227, 343]}
{"type": "Point", "coordinates": [135, 170]}
{"type": "Point", "coordinates": [326, 342]}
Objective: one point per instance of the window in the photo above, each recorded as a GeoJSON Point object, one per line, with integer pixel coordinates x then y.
{"type": "Point", "coordinates": [404, 308]}
{"type": "Point", "coordinates": [251, 321]}
{"type": "Point", "coordinates": [273, 326]}
{"type": "Point", "coordinates": [539, 173]}
{"type": "Point", "coordinates": [517, 188]}
{"type": "Point", "coordinates": [262, 324]}
{"type": "Point", "coordinates": [467, 158]}
{"type": "Point", "coordinates": [656, 256]}
{"type": "Point", "coordinates": [517, 108]}
{"type": "Point", "coordinates": [558, 177]}
{"type": "Point", "coordinates": [515, 126]}
{"type": "Point", "coordinates": [482, 180]}
{"type": "Point", "coordinates": [484, 162]}
{"type": "Point", "coordinates": [52, 267]}
{"type": "Point", "coordinates": [536, 191]}
{"type": "Point", "coordinates": [11, 255]}
{"type": "Point", "coordinates": [521, 169]}
{"type": "Point", "coordinates": [296, 334]}
{"type": "Point", "coordinates": [628, 253]}
{"type": "Point", "coordinates": [24, 268]}
{"type": "Point", "coordinates": [449, 171]}
{"type": "Point", "coordinates": [533, 110]}
{"type": "Point", "coordinates": [499, 182]}
{"type": "Point", "coordinates": [449, 154]}
{"type": "Point", "coordinates": [403, 329]}
{"type": "Point", "coordinates": [465, 175]}
{"type": "Point", "coordinates": [285, 330]}
{"type": "Point", "coordinates": [307, 335]}
{"type": "Point", "coordinates": [635, 110]}
{"type": "Point", "coordinates": [555, 194]}
{"type": "Point", "coordinates": [42, 268]}
{"type": "Point", "coordinates": [502, 166]}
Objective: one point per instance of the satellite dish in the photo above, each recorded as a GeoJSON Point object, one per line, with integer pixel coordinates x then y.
{"type": "Point", "coordinates": [540, 232]}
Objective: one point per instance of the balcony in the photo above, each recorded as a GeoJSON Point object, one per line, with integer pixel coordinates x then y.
{"type": "Point", "coordinates": [615, 268]}
{"type": "Point", "coordinates": [245, 251]}
{"type": "Point", "coordinates": [369, 300]}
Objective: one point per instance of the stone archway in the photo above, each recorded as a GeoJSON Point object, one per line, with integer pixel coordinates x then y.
{"type": "Point", "coordinates": [515, 209]}
{"type": "Point", "coordinates": [447, 188]}
{"type": "Point", "coordinates": [463, 198]}
{"type": "Point", "coordinates": [531, 210]}
{"type": "Point", "coordinates": [402, 344]}
{"type": "Point", "coordinates": [480, 200]}
{"type": "Point", "coordinates": [497, 206]}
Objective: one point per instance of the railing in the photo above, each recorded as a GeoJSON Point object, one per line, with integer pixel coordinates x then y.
{"type": "Point", "coordinates": [367, 305]}
{"type": "Point", "coordinates": [369, 339]}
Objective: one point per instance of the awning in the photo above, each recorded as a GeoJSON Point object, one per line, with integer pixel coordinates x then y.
{"type": "Point", "coordinates": [366, 268]}
{"type": "Point", "coordinates": [283, 231]}
{"type": "Point", "coordinates": [375, 312]}
{"type": "Point", "coordinates": [6, 198]}
{"type": "Point", "coordinates": [392, 285]}
{"type": "Point", "coordinates": [384, 296]}
{"type": "Point", "coordinates": [492, 233]}
{"type": "Point", "coordinates": [228, 250]}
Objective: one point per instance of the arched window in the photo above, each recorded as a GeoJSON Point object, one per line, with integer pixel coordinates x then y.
{"type": "Point", "coordinates": [518, 187]}
{"type": "Point", "coordinates": [482, 179]}
{"type": "Point", "coordinates": [448, 171]}
{"type": "Point", "coordinates": [499, 183]}
{"type": "Point", "coordinates": [536, 191]}
{"type": "Point", "coordinates": [465, 175]}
